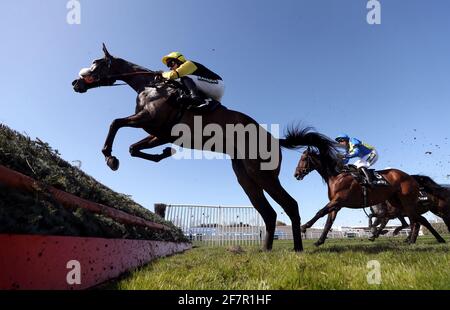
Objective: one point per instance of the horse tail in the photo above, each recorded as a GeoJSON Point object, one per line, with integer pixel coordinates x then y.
{"type": "Point", "coordinates": [432, 187]}
{"type": "Point", "coordinates": [297, 137]}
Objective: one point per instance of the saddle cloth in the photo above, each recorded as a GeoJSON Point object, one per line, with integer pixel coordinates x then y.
{"type": "Point", "coordinates": [377, 178]}
{"type": "Point", "coordinates": [423, 196]}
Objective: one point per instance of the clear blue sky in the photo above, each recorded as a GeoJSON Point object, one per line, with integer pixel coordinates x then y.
{"type": "Point", "coordinates": [314, 61]}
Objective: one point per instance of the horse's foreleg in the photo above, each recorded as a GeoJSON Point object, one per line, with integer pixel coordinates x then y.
{"type": "Point", "coordinates": [413, 233]}
{"type": "Point", "coordinates": [375, 224]}
{"type": "Point", "coordinates": [137, 120]}
{"type": "Point", "coordinates": [374, 229]}
{"type": "Point", "coordinates": [326, 229]}
{"type": "Point", "coordinates": [330, 207]}
{"type": "Point", "coordinates": [404, 225]}
{"type": "Point", "coordinates": [370, 220]}
{"type": "Point", "coordinates": [256, 195]}
{"type": "Point", "coordinates": [148, 143]}
{"type": "Point", "coordinates": [379, 230]}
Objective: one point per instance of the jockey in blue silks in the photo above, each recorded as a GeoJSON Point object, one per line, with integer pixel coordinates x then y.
{"type": "Point", "coordinates": [357, 149]}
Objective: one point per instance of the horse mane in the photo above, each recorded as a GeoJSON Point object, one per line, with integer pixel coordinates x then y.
{"type": "Point", "coordinates": [326, 148]}
{"type": "Point", "coordinates": [432, 187]}
{"type": "Point", "coordinates": [134, 66]}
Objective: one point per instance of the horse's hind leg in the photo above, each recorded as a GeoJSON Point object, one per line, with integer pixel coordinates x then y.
{"type": "Point", "coordinates": [272, 186]}
{"type": "Point", "coordinates": [147, 143]}
{"type": "Point", "coordinates": [409, 204]}
{"type": "Point", "coordinates": [446, 220]}
{"type": "Point", "coordinates": [427, 224]}
{"type": "Point", "coordinates": [256, 195]}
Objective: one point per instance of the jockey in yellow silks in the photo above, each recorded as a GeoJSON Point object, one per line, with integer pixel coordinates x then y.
{"type": "Point", "coordinates": [194, 76]}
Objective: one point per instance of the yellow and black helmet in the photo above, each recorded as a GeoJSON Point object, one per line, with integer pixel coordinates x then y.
{"type": "Point", "coordinates": [174, 55]}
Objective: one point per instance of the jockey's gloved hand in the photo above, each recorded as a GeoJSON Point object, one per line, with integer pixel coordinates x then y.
{"type": "Point", "coordinates": [158, 76]}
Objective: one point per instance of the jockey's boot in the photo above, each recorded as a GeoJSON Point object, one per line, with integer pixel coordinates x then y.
{"type": "Point", "coordinates": [194, 96]}
{"type": "Point", "coordinates": [367, 175]}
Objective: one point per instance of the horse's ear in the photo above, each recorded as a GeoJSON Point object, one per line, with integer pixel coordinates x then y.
{"type": "Point", "coordinates": [308, 149]}
{"type": "Point", "coordinates": [105, 50]}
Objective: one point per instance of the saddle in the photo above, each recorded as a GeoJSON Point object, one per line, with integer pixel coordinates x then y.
{"type": "Point", "coordinates": [209, 105]}
{"type": "Point", "coordinates": [378, 179]}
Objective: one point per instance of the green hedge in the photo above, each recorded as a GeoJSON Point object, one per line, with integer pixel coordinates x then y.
{"type": "Point", "coordinates": [38, 213]}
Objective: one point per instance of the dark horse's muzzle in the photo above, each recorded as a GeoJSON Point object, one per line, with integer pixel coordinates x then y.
{"type": "Point", "coordinates": [79, 85]}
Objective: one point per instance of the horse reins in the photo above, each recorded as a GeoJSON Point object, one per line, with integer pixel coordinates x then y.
{"type": "Point", "coordinates": [114, 76]}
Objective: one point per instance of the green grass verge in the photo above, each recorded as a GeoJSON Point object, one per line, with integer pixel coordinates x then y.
{"type": "Point", "coordinates": [339, 264]}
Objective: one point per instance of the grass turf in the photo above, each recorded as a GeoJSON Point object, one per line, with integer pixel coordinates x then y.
{"type": "Point", "coordinates": [339, 264]}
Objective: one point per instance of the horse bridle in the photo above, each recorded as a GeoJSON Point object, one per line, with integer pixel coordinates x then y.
{"type": "Point", "coordinates": [116, 76]}
{"type": "Point", "coordinates": [307, 169]}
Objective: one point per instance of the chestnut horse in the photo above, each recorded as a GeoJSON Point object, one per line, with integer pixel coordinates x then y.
{"type": "Point", "coordinates": [157, 112]}
{"type": "Point", "coordinates": [345, 191]}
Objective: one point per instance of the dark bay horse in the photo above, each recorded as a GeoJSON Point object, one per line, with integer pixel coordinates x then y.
{"type": "Point", "coordinates": [437, 201]}
{"type": "Point", "coordinates": [345, 191]}
{"type": "Point", "coordinates": [157, 113]}
{"type": "Point", "coordinates": [383, 213]}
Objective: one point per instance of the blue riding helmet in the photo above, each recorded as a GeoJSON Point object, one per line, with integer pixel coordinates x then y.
{"type": "Point", "coordinates": [342, 136]}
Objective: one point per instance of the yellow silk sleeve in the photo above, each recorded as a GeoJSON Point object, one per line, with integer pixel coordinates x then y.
{"type": "Point", "coordinates": [185, 69]}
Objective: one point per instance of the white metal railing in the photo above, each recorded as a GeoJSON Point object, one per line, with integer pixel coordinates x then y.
{"type": "Point", "coordinates": [218, 225]}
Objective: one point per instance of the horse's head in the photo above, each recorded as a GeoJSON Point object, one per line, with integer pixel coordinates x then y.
{"type": "Point", "coordinates": [101, 73]}
{"type": "Point", "coordinates": [308, 162]}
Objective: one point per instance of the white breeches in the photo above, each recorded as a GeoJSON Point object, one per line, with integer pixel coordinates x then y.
{"type": "Point", "coordinates": [368, 160]}
{"type": "Point", "coordinates": [211, 88]}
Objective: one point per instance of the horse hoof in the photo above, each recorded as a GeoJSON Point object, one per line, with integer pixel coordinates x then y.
{"type": "Point", "coordinates": [442, 241]}
{"type": "Point", "coordinates": [372, 239]}
{"type": "Point", "coordinates": [112, 163]}
{"type": "Point", "coordinates": [303, 229]}
{"type": "Point", "coordinates": [318, 243]}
